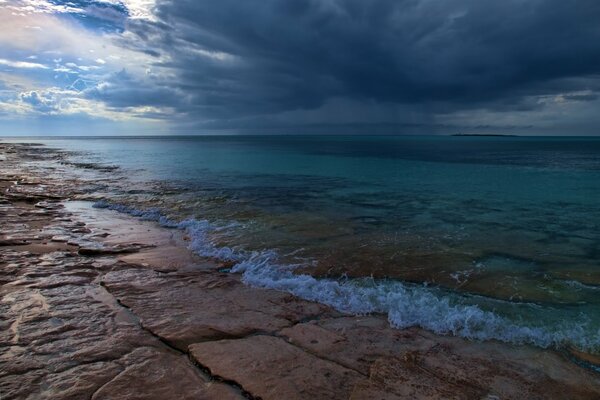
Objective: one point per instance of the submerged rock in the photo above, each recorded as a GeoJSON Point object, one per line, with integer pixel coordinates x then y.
{"type": "Point", "coordinates": [416, 364]}
{"type": "Point", "coordinates": [86, 313]}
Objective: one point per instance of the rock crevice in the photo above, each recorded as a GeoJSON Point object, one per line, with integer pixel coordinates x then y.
{"type": "Point", "coordinates": [87, 312]}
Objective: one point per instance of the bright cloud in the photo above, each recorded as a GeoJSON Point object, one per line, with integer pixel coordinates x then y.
{"type": "Point", "coordinates": [416, 66]}
{"type": "Point", "coordinates": [50, 62]}
{"type": "Point", "coordinates": [21, 64]}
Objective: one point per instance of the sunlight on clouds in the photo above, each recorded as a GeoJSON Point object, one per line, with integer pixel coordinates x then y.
{"type": "Point", "coordinates": [138, 9]}
{"type": "Point", "coordinates": [70, 60]}
{"type": "Point", "coordinates": [338, 63]}
{"type": "Point", "coordinates": [141, 9]}
{"type": "Point", "coordinates": [63, 39]}
{"type": "Point", "coordinates": [24, 7]}
{"type": "Point", "coordinates": [21, 64]}
{"type": "Point", "coordinates": [151, 112]}
{"type": "Point", "coordinates": [55, 101]}
{"type": "Point", "coordinates": [216, 55]}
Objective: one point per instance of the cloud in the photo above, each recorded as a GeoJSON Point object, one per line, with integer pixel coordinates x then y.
{"type": "Point", "coordinates": [433, 58]}
{"type": "Point", "coordinates": [21, 64]}
{"type": "Point", "coordinates": [403, 66]}
{"type": "Point", "coordinates": [32, 98]}
{"type": "Point", "coordinates": [70, 59]}
{"type": "Point", "coordinates": [581, 96]}
{"type": "Point", "coordinates": [140, 9]}
{"type": "Point", "coordinates": [58, 102]}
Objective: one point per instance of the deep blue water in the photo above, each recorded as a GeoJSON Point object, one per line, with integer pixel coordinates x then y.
{"type": "Point", "coordinates": [485, 237]}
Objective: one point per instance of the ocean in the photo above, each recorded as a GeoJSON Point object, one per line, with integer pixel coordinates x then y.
{"type": "Point", "coordinates": [480, 237]}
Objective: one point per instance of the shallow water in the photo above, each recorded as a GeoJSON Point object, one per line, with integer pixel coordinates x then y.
{"type": "Point", "coordinates": [484, 237]}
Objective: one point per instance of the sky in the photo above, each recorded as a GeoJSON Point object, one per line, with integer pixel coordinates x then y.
{"type": "Point", "coordinates": [134, 67]}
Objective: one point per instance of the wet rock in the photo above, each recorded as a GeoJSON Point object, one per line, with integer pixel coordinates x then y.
{"type": "Point", "coordinates": [64, 336]}
{"type": "Point", "coordinates": [108, 250]}
{"type": "Point", "coordinates": [60, 239]}
{"type": "Point", "coordinates": [47, 205]}
{"type": "Point", "coordinates": [14, 242]}
{"type": "Point", "coordinates": [101, 235]}
{"type": "Point", "coordinates": [205, 305]}
{"type": "Point", "coordinates": [407, 378]}
{"type": "Point", "coordinates": [88, 165]}
{"type": "Point", "coordinates": [163, 375]}
{"type": "Point", "coordinates": [78, 382]}
{"type": "Point", "coordinates": [444, 374]}
{"type": "Point", "coordinates": [49, 334]}
{"type": "Point", "coordinates": [417, 364]}
{"type": "Point", "coordinates": [270, 368]}
{"type": "Point", "coordinates": [356, 342]}
{"type": "Point", "coordinates": [81, 230]}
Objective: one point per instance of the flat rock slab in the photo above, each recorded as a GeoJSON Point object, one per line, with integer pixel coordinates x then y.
{"type": "Point", "coordinates": [163, 375]}
{"type": "Point", "coordinates": [13, 242]}
{"type": "Point", "coordinates": [163, 249]}
{"type": "Point", "coordinates": [192, 307]}
{"type": "Point", "coordinates": [61, 336]}
{"type": "Point", "coordinates": [415, 364]}
{"type": "Point", "coordinates": [64, 336]}
{"type": "Point", "coordinates": [270, 368]}
{"type": "Point", "coordinates": [356, 342]}
{"type": "Point", "coordinates": [117, 249]}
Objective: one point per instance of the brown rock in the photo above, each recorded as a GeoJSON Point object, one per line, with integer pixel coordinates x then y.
{"type": "Point", "coordinates": [117, 249]}
{"type": "Point", "coordinates": [63, 336]}
{"type": "Point", "coordinates": [417, 364]}
{"type": "Point", "coordinates": [13, 242]}
{"type": "Point", "coordinates": [356, 342]}
{"type": "Point", "coordinates": [394, 378]}
{"type": "Point", "coordinates": [163, 375]}
{"type": "Point", "coordinates": [204, 305]}
{"type": "Point", "coordinates": [270, 368]}
{"type": "Point", "coordinates": [60, 239]}
{"type": "Point", "coordinates": [72, 384]}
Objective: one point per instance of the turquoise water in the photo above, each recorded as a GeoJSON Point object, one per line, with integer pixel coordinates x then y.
{"type": "Point", "coordinates": [483, 237]}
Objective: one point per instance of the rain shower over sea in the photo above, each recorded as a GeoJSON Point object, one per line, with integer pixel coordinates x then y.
{"type": "Point", "coordinates": [479, 237]}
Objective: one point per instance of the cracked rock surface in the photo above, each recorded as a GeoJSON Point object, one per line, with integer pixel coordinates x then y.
{"type": "Point", "coordinates": [205, 305]}
{"type": "Point", "coordinates": [99, 305]}
{"type": "Point", "coordinates": [62, 335]}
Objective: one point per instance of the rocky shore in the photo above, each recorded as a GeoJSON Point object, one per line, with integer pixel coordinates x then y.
{"type": "Point", "coordinates": [100, 305]}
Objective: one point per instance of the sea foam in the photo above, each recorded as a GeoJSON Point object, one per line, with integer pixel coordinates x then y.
{"type": "Point", "coordinates": [405, 304]}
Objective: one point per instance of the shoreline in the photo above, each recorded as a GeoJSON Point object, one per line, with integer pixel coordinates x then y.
{"type": "Point", "coordinates": [99, 304]}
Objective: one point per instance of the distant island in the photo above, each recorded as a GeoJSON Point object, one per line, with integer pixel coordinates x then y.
{"type": "Point", "coordinates": [482, 134]}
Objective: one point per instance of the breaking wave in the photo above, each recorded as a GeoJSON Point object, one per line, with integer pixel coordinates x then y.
{"type": "Point", "coordinates": [405, 305]}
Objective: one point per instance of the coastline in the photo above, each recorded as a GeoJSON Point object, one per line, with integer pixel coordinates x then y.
{"type": "Point", "coordinates": [99, 304]}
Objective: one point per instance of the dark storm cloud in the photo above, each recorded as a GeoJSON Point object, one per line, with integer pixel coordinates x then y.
{"type": "Point", "coordinates": [393, 65]}
{"type": "Point", "coordinates": [298, 53]}
{"type": "Point", "coordinates": [582, 97]}
{"type": "Point", "coordinates": [123, 90]}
